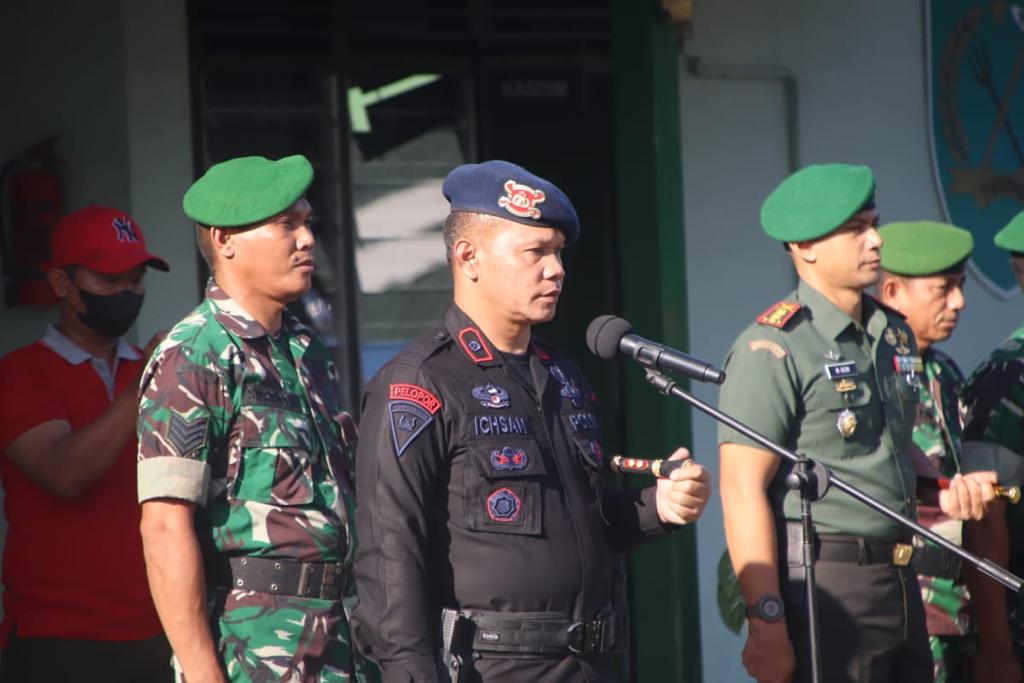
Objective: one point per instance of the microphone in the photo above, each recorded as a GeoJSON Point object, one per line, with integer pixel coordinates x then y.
{"type": "Point", "coordinates": [608, 336]}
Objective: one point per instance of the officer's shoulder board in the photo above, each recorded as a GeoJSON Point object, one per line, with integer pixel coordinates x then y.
{"type": "Point", "coordinates": [779, 315]}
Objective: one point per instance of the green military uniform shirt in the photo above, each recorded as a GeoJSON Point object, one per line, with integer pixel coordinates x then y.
{"type": "Point", "coordinates": [994, 440]}
{"type": "Point", "coordinates": [937, 434]}
{"type": "Point", "coordinates": [249, 427]}
{"type": "Point", "coordinates": [778, 384]}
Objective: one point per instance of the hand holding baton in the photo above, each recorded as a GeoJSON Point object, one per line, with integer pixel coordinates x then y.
{"type": "Point", "coordinates": [657, 468]}
{"type": "Point", "coordinates": [1010, 493]}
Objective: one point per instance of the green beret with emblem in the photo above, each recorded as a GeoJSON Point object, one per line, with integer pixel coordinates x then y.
{"type": "Point", "coordinates": [816, 200]}
{"type": "Point", "coordinates": [1011, 238]}
{"type": "Point", "coordinates": [247, 190]}
{"type": "Point", "coordinates": [924, 247]}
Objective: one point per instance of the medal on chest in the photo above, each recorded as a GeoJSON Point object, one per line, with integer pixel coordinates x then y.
{"type": "Point", "coordinates": [846, 423]}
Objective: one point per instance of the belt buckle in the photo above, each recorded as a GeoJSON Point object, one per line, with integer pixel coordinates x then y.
{"type": "Point", "coordinates": [329, 588]}
{"type": "Point", "coordinates": [304, 574]}
{"type": "Point", "coordinates": [573, 647]}
{"type": "Point", "coordinates": [901, 554]}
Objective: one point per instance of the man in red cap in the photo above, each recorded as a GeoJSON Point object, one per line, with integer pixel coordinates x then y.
{"type": "Point", "coordinates": [76, 604]}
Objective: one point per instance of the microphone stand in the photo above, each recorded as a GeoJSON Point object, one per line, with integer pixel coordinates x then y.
{"type": "Point", "coordinates": [813, 480]}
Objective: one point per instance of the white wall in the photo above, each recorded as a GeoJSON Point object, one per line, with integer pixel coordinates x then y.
{"type": "Point", "coordinates": [111, 78]}
{"type": "Point", "coordinates": [62, 80]}
{"type": "Point", "coordinates": [861, 73]}
{"type": "Point", "coordinates": [159, 163]}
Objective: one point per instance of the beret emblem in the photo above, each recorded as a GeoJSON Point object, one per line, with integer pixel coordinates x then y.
{"type": "Point", "coordinates": [520, 200]}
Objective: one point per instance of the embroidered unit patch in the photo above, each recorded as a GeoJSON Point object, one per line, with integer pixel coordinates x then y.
{"type": "Point", "coordinates": [491, 396]}
{"type": "Point", "coordinates": [415, 394]}
{"type": "Point", "coordinates": [504, 505]}
{"type": "Point", "coordinates": [779, 314]}
{"type": "Point", "coordinates": [408, 420]}
{"type": "Point", "coordinates": [509, 459]}
{"type": "Point", "coordinates": [521, 200]}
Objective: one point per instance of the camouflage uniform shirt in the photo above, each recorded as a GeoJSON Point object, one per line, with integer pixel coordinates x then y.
{"type": "Point", "coordinates": [994, 439]}
{"type": "Point", "coordinates": [937, 433]}
{"type": "Point", "coordinates": [247, 425]}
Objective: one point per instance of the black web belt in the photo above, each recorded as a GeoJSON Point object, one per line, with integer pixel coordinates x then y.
{"type": "Point", "coordinates": [933, 561]}
{"type": "Point", "coordinates": [543, 633]}
{"type": "Point", "coordinates": [322, 580]}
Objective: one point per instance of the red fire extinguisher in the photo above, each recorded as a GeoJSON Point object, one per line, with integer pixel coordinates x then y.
{"type": "Point", "coordinates": [34, 209]}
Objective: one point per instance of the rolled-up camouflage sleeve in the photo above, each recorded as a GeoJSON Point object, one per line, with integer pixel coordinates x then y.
{"type": "Point", "coordinates": [183, 410]}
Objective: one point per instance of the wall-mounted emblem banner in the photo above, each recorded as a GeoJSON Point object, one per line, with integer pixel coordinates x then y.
{"type": "Point", "coordinates": [976, 65]}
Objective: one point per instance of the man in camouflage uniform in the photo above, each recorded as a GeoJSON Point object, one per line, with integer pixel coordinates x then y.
{"type": "Point", "coordinates": [994, 439]}
{"type": "Point", "coordinates": [923, 275]}
{"type": "Point", "coordinates": [243, 470]}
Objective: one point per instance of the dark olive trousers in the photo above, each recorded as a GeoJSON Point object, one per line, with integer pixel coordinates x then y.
{"type": "Point", "coordinates": [871, 624]}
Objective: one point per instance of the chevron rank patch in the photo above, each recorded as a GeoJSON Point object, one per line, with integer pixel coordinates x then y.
{"type": "Point", "coordinates": [411, 409]}
{"type": "Point", "coordinates": [187, 436]}
{"type": "Point", "coordinates": [778, 315]}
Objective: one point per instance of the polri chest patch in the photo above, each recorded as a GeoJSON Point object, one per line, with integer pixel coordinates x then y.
{"type": "Point", "coordinates": [411, 409]}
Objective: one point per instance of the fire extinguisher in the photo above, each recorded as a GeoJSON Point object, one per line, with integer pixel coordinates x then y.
{"type": "Point", "coordinates": [34, 208]}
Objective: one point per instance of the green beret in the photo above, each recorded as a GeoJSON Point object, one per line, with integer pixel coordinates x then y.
{"type": "Point", "coordinates": [246, 190]}
{"type": "Point", "coordinates": [1011, 238]}
{"type": "Point", "coordinates": [816, 200]}
{"type": "Point", "coordinates": [923, 247]}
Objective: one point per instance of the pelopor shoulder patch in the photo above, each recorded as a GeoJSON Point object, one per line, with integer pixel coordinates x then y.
{"type": "Point", "coordinates": [778, 315]}
{"type": "Point", "coordinates": [769, 346]}
{"type": "Point", "coordinates": [411, 409]}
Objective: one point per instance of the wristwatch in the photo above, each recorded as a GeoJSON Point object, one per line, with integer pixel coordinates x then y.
{"type": "Point", "coordinates": [769, 608]}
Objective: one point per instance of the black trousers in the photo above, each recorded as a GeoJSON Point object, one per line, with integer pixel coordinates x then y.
{"type": "Point", "coordinates": [871, 623]}
{"type": "Point", "coordinates": [58, 660]}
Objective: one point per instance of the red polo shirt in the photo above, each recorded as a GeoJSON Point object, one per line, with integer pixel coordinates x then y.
{"type": "Point", "coordinates": [71, 568]}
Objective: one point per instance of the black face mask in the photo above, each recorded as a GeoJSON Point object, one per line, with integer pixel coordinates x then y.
{"type": "Point", "coordinates": [110, 314]}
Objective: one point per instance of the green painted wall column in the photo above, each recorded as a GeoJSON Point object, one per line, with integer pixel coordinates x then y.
{"type": "Point", "coordinates": [666, 613]}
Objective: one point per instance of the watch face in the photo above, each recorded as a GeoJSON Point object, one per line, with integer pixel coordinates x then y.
{"type": "Point", "coordinates": [771, 608]}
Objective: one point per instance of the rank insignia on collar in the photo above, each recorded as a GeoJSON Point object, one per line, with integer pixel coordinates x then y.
{"type": "Point", "coordinates": [846, 423]}
{"type": "Point", "coordinates": [473, 343]}
{"type": "Point", "coordinates": [521, 200]}
{"type": "Point", "coordinates": [889, 336]}
{"type": "Point", "coordinates": [491, 396]}
{"type": "Point", "coordinates": [778, 315]}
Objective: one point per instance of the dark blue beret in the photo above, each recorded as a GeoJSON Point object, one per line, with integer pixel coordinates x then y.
{"type": "Point", "coordinates": [502, 189]}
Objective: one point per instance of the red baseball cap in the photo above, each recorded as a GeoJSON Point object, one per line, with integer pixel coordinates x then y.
{"type": "Point", "coordinates": [102, 239]}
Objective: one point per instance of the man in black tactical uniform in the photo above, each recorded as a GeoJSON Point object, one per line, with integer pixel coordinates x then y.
{"type": "Point", "coordinates": [487, 541]}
